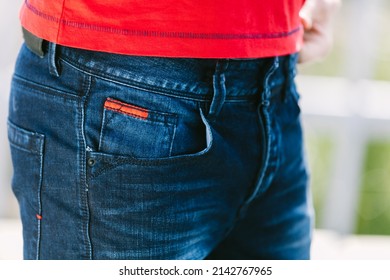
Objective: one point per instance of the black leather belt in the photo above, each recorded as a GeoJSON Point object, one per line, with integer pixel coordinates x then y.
{"type": "Point", "coordinates": [35, 44]}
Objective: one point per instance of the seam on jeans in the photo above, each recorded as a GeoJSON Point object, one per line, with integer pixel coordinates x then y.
{"type": "Point", "coordinates": [263, 114]}
{"type": "Point", "coordinates": [125, 108]}
{"type": "Point", "coordinates": [82, 165]}
{"type": "Point", "coordinates": [183, 160]}
{"type": "Point", "coordinates": [144, 86]}
{"type": "Point", "coordinates": [161, 34]}
{"type": "Point", "coordinates": [184, 95]}
{"type": "Point", "coordinates": [14, 131]}
{"type": "Point", "coordinates": [22, 149]}
{"type": "Point", "coordinates": [103, 125]}
{"type": "Point", "coordinates": [39, 88]}
{"type": "Point", "coordinates": [173, 137]}
{"type": "Point", "coordinates": [87, 91]}
{"type": "Point", "coordinates": [39, 196]}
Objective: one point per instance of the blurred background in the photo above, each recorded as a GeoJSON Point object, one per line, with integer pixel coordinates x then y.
{"type": "Point", "coordinates": [345, 103]}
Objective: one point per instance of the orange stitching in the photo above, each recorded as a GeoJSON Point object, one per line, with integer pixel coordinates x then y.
{"type": "Point", "coordinates": [127, 109]}
{"type": "Point", "coordinates": [39, 217]}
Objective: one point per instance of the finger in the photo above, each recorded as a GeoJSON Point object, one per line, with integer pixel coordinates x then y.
{"type": "Point", "coordinates": [317, 44]}
{"type": "Point", "coordinates": [306, 14]}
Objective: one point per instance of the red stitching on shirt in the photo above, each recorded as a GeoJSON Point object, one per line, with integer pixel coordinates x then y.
{"type": "Point", "coordinates": [39, 13]}
{"type": "Point", "coordinates": [127, 109]}
{"type": "Point", "coordinates": [164, 34]}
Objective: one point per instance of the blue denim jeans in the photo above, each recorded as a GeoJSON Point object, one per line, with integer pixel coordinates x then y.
{"type": "Point", "coordinates": [123, 157]}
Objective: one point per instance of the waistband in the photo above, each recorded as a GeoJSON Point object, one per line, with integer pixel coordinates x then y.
{"type": "Point", "coordinates": [185, 76]}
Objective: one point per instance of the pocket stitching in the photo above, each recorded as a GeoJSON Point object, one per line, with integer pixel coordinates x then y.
{"type": "Point", "coordinates": [39, 140]}
{"type": "Point", "coordinates": [114, 161]}
{"type": "Point", "coordinates": [156, 118]}
{"type": "Point", "coordinates": [38, 149]}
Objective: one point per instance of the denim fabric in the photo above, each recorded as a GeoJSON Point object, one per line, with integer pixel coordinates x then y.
{"type": "Point", "coordinates": [122, 157]}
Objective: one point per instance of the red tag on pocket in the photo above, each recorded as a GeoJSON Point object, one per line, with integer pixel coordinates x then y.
{"type": "Point", "coordinates": [127, 109]}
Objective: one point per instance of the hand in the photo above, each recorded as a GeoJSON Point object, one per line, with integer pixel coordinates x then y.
{"type": "Point", "coordinates": [317, 18]}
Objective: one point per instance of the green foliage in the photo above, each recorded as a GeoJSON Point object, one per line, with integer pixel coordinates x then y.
{"type": "Point", "coordinates": [373, 215]}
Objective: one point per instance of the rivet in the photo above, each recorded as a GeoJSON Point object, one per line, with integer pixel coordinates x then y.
{"type": "Point", "coordinates": [91, 162]}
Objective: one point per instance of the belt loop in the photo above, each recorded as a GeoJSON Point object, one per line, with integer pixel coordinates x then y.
{"type": "Point", "coordinates": [266, 86]}
{"type": "Point", "coordinates": [293, 65]}
{"type": "Point", "coordinates": [219, 95]}
{"type": "Point", "coordinates": [52, 56]}
{"type": "Point", "coordinates": [290, 73]}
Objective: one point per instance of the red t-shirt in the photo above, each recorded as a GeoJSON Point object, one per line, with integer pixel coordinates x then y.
{"type": "Point", "coordinates": [170, 28]}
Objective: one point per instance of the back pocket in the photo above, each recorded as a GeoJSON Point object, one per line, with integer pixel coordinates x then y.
{"type": "Point", "coordinates": [128, 129]}
{"type": "Point", "coordinates": [27, 159]}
